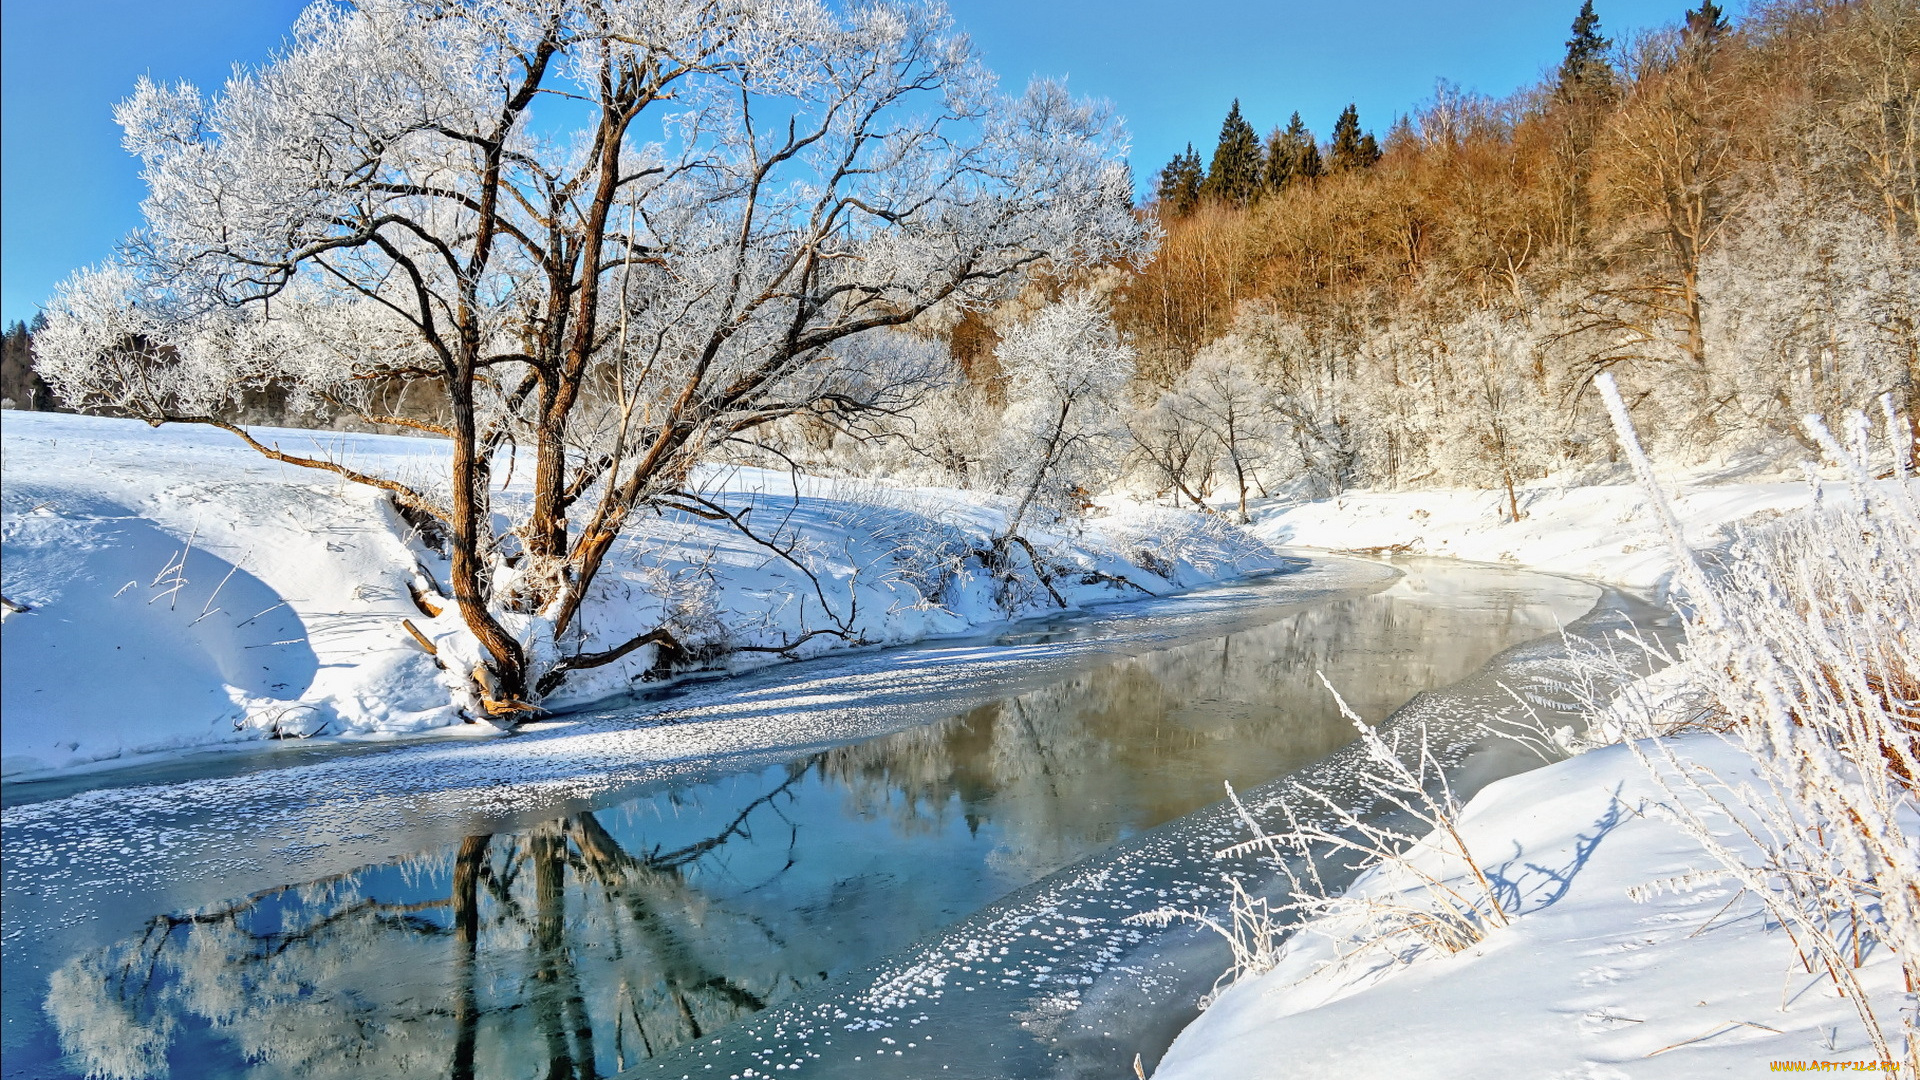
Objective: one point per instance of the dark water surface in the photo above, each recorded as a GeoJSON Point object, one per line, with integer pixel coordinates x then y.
{"type": "Point", "coordinates": [924, 878]}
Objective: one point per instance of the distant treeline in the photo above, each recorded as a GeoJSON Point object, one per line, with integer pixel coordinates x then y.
{"type": "Point", "coordinates": [21, 387]}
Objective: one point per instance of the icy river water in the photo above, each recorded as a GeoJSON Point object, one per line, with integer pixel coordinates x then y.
{"type": "Point", "coordinates": [904, 863]}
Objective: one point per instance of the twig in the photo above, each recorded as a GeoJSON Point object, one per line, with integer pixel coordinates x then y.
{"type": "Point", "coordinates": [1715, 1030]}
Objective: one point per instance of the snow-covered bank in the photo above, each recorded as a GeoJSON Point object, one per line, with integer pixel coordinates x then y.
{"type": "Point", "coordinates": [1640, 903]}
{"type": "Point", "coordinates": [1585, 983]}
{"type": "Point", "coordinates": [185, 591]}
{"type": "Point", "coordinates": [1602, 532]}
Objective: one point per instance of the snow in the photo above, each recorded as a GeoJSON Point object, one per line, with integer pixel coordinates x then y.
{"type": "Point", "coordinates": [1585, 983]}
{"type": "Point", "coordinates": [186, 592]}
{"type": "Point", "coordinates": [1611, 968]}
{"type": "Point", "coordinates": [1605, 532]}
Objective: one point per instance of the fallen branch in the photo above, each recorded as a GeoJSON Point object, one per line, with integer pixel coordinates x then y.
{"type": "Point", "coordinates": [1097, 577]}
{"type": "Point", "coordinates": [1378, 550]}
{"type": "Point", "coordinates": [1039, 571]}
{"type": "Point", "coordinates": [509, 708]}
{"type": "Point", "coordinates": [420, 601]}
{"type": "Point", "coordinates": [787, 649]}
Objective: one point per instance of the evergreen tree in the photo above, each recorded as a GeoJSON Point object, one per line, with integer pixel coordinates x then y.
{"type": "Point", "coordinates": [1351, 148]}
{"type": "Point", "coordinates": [1291, 155]}
{"type": "Point", "coordinates": [1311, 167]}
{"type": "Point", "coordinates": [1234, 176]}
{"type": "Point", "coordinates": [1179, 185]}
{"type": "Point", "coordinates": [1705, 25]}
{"type": "Point", "coordinates": [1585, 70]}
{"type": "Point", "coordinates": [19, 382]}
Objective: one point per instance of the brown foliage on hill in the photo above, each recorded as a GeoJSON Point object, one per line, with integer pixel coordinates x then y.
{"type": "Point", "coordinates": [1729, 222]}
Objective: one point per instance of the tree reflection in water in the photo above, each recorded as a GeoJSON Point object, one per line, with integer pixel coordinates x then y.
{"type": "Point", "coordinates": [552, 952]}
{"type": "Point", "coordinates": [591, 942]}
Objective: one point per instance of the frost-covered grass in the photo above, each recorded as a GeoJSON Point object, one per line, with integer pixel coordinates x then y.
{"type": "Point", "coordinates": [1731, 878]}
{"type": "Point", "coordinates": [185, 591]}
{"type": "Point", "coordinates": [1804, 655]}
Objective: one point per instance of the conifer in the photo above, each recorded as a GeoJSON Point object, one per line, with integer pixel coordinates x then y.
{"type": "Point", "coordinates": [1179, 187]}
{"type": "Point", "coordinates": [1704, 25]}
{"type": "Point", "coordinates": [1234, 176]}
{"type": "Point", "coordinates": [1291, 155]}
{"type": "Point", "coordinates": [1310, 164]}
{"type": "Point", "coordinates": [1351, 148]}
{"type": "Point", "coordinates": [1585, 69]}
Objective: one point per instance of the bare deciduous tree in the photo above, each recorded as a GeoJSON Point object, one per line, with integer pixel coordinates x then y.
{"type": "Point", "coordinates": [615, 233]}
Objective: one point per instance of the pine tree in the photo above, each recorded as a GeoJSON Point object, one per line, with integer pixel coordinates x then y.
{"type": "Point", "coordinates": [1351, 148]}
{"type": "Point", "coordinates": [1179, 185]}
{"type": "Point", "coordinates": [1311, 167]}
{"type": "Point", "coordinates": [1705, 25]}
{"type": "Point", "coordinates": [1234, 176]}
{"type": "Point", "coordinates": [1585, 93]}
{"type": "Point", "coordinates": [1291, 155]}
{"type": "Point", "coordinates": [19, 382]}
{"type": "Point", "coordinates": [1585, 70]}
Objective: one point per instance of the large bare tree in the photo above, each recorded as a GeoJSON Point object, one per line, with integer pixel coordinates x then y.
{"type": "Point", "coordinates": [610, 235]}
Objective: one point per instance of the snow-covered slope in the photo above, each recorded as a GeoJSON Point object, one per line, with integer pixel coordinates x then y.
{"type": "Point", "coordinates": [1605, 532]}
{"type": "Point", "coordinates": [1586, 983]}
{"type": "Point", "coordinates": [185, 591]}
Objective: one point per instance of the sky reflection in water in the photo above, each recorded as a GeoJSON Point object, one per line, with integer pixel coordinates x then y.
{"type": "Point", "coordinates": [589, 943]}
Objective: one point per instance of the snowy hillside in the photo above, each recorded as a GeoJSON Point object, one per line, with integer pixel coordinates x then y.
{"type": "Point", "coordinates": [183, 590]}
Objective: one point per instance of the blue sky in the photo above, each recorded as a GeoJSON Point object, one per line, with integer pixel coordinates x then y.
{"type": "Point", "coordinates": [68, 192]}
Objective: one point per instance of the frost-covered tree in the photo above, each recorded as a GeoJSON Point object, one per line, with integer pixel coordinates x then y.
{"type": "Point", "coordinates": [1220, 404]}
{"type": "Point", "coordinates": [1820, 314]}
{"type": "Point", "coordinates": [612, 235]}
{"type": "Point", "coordinates": [1066, 368]}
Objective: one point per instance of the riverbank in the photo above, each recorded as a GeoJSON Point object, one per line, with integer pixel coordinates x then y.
{"type": "Point", "coordinates": [1594, 978]}
{"type": "Point", "coordinates": [1623, 943]}
{"type": "Point", "coordinates": [185, 592]}
{"type": "Point", "coordinates": [1602, 532]}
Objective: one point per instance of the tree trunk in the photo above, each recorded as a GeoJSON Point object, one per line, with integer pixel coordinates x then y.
{"type": "Point", "coordinates": [470, 479]}
{"type": "Point", "coordinates": [1040, 472]}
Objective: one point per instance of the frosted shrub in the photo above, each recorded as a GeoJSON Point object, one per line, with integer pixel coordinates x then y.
{"type": "Point", "coordinates": [1162, 541]}
{"type": "Point", "coordinates": [1804, 651]}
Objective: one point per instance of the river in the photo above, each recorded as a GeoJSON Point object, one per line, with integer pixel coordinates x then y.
{"type": "Point", "coordinates": [908, 862]}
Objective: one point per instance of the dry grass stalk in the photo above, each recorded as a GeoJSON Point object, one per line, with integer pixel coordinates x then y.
{"type": "Point", "coordinates": [1446, 907]}
{"type": "Point", "coordinates": [1802, 647]}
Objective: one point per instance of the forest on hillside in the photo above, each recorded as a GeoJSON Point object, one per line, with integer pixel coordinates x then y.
{"type": "Point", "coordinates": [1724, 214]}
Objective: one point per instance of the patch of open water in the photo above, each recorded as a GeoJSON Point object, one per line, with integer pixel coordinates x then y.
{"type": "Point", "coordinates": [903, 863]}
